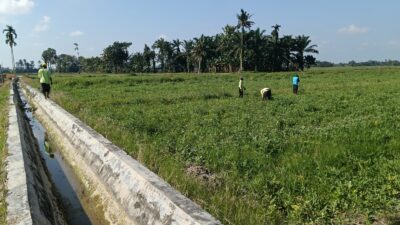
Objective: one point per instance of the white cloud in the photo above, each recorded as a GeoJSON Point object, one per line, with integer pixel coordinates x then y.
{"type": "Point", "coordinates": [353, 29]}
{"type": "Point", "coordinates": [15, 7]}
{"type": "Point", "coordinates": [76, 33]}
{"type": "Point", "coordinates": [43, 24]}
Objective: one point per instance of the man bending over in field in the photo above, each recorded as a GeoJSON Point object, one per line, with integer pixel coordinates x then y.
{"type": "Point", "coordinates": [241, 88]}
{"type": "Point", "coordinates": [266, 94]}
{"type": "Point", "coordinates": [45, 80]}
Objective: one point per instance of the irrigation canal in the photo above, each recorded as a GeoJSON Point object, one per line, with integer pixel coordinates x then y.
{"type": "Point", "coordinates": [61, 175]}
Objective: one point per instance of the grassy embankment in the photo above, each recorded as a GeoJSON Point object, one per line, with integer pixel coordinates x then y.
{"type": "Point", "coordinates": [328, 155]}
{"type": "Point", "coordinates": [4, 93]}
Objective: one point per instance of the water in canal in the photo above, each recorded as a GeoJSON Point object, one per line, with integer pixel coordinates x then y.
{"type": "Point", "coordinates": [61, 175]}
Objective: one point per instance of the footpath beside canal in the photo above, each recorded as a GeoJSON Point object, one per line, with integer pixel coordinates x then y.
{"type": "Point", "coordinates": [31, 198]}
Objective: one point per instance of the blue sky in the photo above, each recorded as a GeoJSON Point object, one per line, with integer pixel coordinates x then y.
{"type": "Point", "coordinates": [343, 30]}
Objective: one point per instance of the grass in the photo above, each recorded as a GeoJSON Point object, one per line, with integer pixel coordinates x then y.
{"type": "Point", "coordinates": [4, 92]}
{"type": "Point", "coordinates": [328, 155]}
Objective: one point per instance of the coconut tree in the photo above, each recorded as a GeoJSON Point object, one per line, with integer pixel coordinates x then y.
{"type": "Point", "coordinates": [188, 47]}
{"type": "Point", "coordinates": [177, 59]}
{"type": "Point", "coordinates": [11, 35]}
{"type": "Point", "coordinates": [276, 48]}
{"type": "Point", "coordinates": [77, 55]}
{"type": "Point", "coordinates": [163, 47]}
{"type": "Point", "coordinates": [257, 47]}
{"type": "Point", "coordinates": [229, 46]}
{"type": "Point", "coordinates": [152, 56]}
{"type": "Point", "coordinates": [275, 33]}
{"type": "Point", "coordinates": [287, 47]}
{"type": "Point", "coordinates": [176, 46]}
{"type": "Point", "coordinates": [76, 49]}
{"type": "Point", "coordinates": [243, 23]}
{"type": "Point", "coordinates": [147, 55]}
{"type": "Point", "coordinates": [199, 51]}
{"type": "Point", "coordinates": [302, 45]}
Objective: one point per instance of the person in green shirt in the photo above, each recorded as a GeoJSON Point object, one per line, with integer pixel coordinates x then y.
{"type": "Point", "coordinates": [45, 80]}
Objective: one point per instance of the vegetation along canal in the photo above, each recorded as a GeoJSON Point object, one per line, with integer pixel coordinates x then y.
{"type": "Point", "coordinates": [60, 174]}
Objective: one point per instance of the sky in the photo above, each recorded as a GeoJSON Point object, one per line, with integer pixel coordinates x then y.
{"type": "Point", "coordinates": [344, 30]}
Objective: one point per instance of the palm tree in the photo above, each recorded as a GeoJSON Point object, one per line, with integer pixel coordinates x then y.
{"type": "Point", "coordinates": [153, 60]}
{"type": "Point", "coordinates": [199, 50]}
{"type": "Point", "coordinates": [301, 45]}
{"type": "Point", "coordinates": [25, 64]}
{"type": "Point", "coordinates": [176, 55]}
{"type": "Point", "coordinates": [243, 22]}
{"type": "Point", "coordinates": [229, 46]}
{"type": "Point", "coordinates": [188, 46]}
{"type": "Point", "coordinates": [147, 55]}
{"type": "Point", "coordinates": [176, 46]}
{"type": "Point", "coordinates": [77, 49]}
{"type": "Point", "coordinates": [11, 35]}
{"type": "Point", "coordinates": [32, 65]}
{"type": "Point", "coordinates": [287, 47]}
{"type": "Point", "coordinates": [275, 33]}
{"type": "Point", "coordinates": [77, 54]}
{"type": "Point", "coordinates": [257, 46]}
{"type": "Point", "coordinates": [276, 48]}
{"type": "Point", "coordinates": [163, 48]}
{"type": "Point", "coordinates": [19, 64]}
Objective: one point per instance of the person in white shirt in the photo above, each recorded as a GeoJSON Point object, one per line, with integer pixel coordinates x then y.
{"type": "Point", "coordinates": [241, 88]}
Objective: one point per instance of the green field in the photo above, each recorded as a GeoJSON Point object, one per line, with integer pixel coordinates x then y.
{"type": "Point", "coordinates": [329, 155]}
{"type": "Point", "coordinates": [4, 92]}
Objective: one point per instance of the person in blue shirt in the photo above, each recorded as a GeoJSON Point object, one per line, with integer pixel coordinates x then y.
{"type": "Point", "coordinates": [295, 81]}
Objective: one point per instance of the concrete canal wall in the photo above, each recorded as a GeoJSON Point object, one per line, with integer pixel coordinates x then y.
{"type": "Point", "coordinates": [116, 187]}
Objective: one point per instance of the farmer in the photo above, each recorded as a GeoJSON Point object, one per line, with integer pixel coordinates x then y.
{"type": "Point", "coordinates": [241, 88]}
{"type": "Point", "coordinates": [266, 94]}
{"type": "Point", "coordinates": [45, 79]}
{"type": "Point", "coordinates": [295, 81]}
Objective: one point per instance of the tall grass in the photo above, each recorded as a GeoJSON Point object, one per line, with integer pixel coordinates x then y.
{"type": "Point", "coordinates": [4, 92]}
{"type": "Point", "coordinates": [329, 155]}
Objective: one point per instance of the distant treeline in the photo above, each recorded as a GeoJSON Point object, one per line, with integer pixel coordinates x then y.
{"type": "Point", "coordinates": [354, 63]}
{"type": "Point", "coordinates": [238, 47]}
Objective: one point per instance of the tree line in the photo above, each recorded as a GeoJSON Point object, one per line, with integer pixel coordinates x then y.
{"type": "Point", "coordinates": [355, 64]}
{"type": "Point", "coordinates": [238, 47]}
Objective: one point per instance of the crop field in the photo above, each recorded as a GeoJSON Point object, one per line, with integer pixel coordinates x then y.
{"type": "Point", "coordinates": [329, 155]}
{"type": "Point", "coordinates": [4, 92]}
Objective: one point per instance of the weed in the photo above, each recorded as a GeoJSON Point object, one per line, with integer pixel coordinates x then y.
{"type": "Point", "coordinates": [327, 155]}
